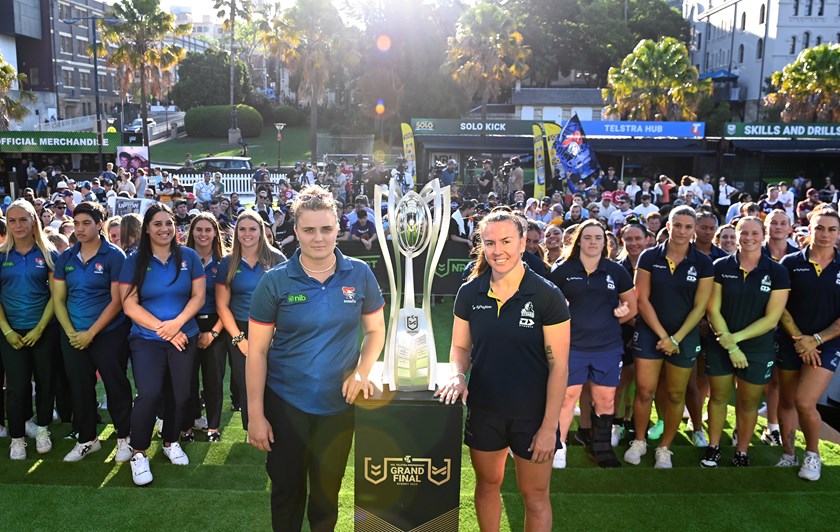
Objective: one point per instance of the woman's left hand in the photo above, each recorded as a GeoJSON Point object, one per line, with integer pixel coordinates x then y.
{"type": "Point", "coordinates": [354, 384]}
{"type": "Point", "coordinates": [622, 310]}
{"type": "Point", "coordinates": [543, 445]}
{"type": "Point", "coordinates": [32, 337]}
{"type": "Point", "coordinates": [727, 340]}
{"type": "Point", "coordinates": [168, 329]}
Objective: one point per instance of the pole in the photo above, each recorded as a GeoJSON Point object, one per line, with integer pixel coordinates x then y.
{"type": "Point", "coordinates": [96, 98]}
{"type": "Point", "coordinates": [278, 155]}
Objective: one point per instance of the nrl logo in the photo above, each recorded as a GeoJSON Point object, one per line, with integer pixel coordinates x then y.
{"type": "Point", "coordinates": [451, 266]}
{"type": "Point", "coordinates": [412, 322]}
{"type": "Point", "coordinates": [407, 471]}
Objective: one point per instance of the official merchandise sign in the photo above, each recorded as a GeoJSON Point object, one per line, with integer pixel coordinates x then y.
{"type": "Point", "coordinates": [765, 130]}
{"type": "Point", "coordinates": [55, 142]}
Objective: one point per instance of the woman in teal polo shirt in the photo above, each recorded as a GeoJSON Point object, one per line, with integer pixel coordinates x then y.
{"type": "Point", "coordinates": [747, 301]}
{"type": "Point", "coordinates": [162, 286]}
{"type": "Point", "coordinates": [237, 278]}
{"type": "Point", "coordinates": [30, 335]}
{"type": "Point", "coordinates": [673, 284]}
{"type": "Point", "coordinates": [86, 296]}
{"type": "Point", "coordinates": [511, 332]}
{"type": "Point", "coordinates": [305, 367]}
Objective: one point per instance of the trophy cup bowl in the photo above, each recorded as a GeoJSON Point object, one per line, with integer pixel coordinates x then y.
{"type": "Point", "coordinates": [412, 223]}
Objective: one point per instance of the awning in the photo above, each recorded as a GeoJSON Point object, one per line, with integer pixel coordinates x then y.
{"type": "Point", "coordinates": [720, 75]}
{"type": "Point", "coordinates": [787, 146]}
{"type": "Point", "coordinates": [484, 144]}
{"type": "Point", "coordinates": [672, 147]}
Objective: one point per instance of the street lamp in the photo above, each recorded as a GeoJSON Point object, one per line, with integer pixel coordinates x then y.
{"type": "Point", "coordinates": [94, 19]}
{"type": "Point", "coordinates": [279, 126]}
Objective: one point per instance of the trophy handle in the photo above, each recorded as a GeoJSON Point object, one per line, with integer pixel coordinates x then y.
{"type": "Point", "coordinates": [388, 373]}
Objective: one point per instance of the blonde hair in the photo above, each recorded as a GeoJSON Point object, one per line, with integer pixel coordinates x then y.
{"type": "Point", "coordinates": [41, 240]}
{"type": "Point", "coordinates": [267, 255]}
{"type": "Point", "coordinates": [315, 198]}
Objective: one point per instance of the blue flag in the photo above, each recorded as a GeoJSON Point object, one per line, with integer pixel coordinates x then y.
{"type": "Point", "coordinates": [574, 152]}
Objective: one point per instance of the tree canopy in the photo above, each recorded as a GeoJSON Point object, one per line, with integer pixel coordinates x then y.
{"type": "Point", "coordinates": [202, 77]}
{"type": "Point", "coordinates": [808, 89]}
{"type": "Point", "coordinates": [11, 108]}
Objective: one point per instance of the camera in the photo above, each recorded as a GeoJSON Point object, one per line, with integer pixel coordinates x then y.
{"type": "Point", "coordinates": [472, 163]}
{"type": "Point", "coordinates": [436, 170]}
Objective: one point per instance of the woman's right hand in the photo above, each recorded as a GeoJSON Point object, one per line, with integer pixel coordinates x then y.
{"type": "Point", "coordinates": [260, 434]}
{"type": "Point", "coordinates": [456, 387]}
{"type": "Point", "coordinates": [180, 341]}
{"type": "Point", "coordinates": [14, 340]}
{"type": "Point", "coordinates": [243, 346]}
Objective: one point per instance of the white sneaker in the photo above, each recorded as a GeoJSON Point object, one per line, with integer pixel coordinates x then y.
{"type": "Point", "coordinates": [175, 454]}
{"type": "Point", "coordinates": [4, 432]}
{"type": "Point", "coordinates": [124, 451]}
{"type": "Point", "coordinates": [763, 410]}
{"type": "Point", "coordinates": [663, 458]}
{"type": "Point", "coordinates": [616, 434]}
{"type": "Point", "coordinates": [140, 472]}
{"type": "Point", "coordinates": [788, 460]}
{"type": "Point", "coordinates": [698, 439]}
{"type": "Point", "coordinates": [31, 429]}
{"type": "Point", "coordinates": [635, 452]}
{"type": "Point", "coordinates": [55, 415]}
{"type": "Point", "coordinates": [17, 450]}
{"type": "Point", "coordinates": [200, 423]}
{"type": "Point", "coordinates": [43, 443]}
{"type": "Point", "coordinates": [576, 411]}
{"type": "Point", "coordinates": [735, 437]}
{"type": "Point", "coordinates": [811, 466]}
{"type": "Point", "coordinates": [559, 461]}
{"type": "Point", "coordinates": [158, 430]}
{"type": "Point", "coordinates": [80, 450]}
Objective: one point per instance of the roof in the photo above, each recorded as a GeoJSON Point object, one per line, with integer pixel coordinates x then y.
{"type": "Point", "coordinates": [587, 97]}
{"type": "Point", "coordinates": [719, 75]}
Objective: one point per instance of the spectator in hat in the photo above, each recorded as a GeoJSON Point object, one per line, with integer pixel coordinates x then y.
{"type": "Point", "coordinates": [607, 207]}
{"type": "Point", "coordinates": [610, 181]}
{"type": "Point", "coordinates": [449, 174]}
{"type": "Point", "coordinates": [219, 187]}
{"type": "Point", "coordinates": [492, 201]}
{"type": "Point", "coordinates": [461, 227]}
{"type": "Point", "coordinates": [646, 207]}
{"type": "Point", "coordinates": [192, 201]}
{"type": "Point", "coordinates": [87, 195]}
{"type": "Point", "coordinates": [544, 214]}
{"type": "Point", "coordinates": [98, 188]}
{"type": "Point", "coordinates": [70, 201]}
{"type": "Point", "coordinates": [360, 203]}
{"type": "Point", "coordinates": [41, 185]}
{"type": "Point", "coordinates": [60, 213]}
{"type": "Point", "coordinates": [77, 196]}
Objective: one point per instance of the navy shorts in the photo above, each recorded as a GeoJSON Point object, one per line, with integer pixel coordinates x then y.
{"type": "Point", "coordinates": [644, 346]}
{"type": "Point", "coordinates": [603, 369]}
{"type": "Point", "coordinates": [759, 371]}
{"type": "Point", "coordinates": [487, 432]}
{"type": "Point", "coordinates": [787, 358]}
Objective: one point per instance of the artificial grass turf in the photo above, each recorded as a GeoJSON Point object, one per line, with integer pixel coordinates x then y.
{"type": "Point", "coordinates": [225, 487]}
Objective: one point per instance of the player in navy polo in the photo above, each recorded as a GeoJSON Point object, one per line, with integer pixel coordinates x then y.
{"type": "Point", "coordinates": [305, 367]}
{"type": "Point", "coordinates": [162, 286]}
{"type": "Point", "coordinates": [511, 332]}
{"type": "Point", "coordinates": [673, 284]}
{"type": "Point", "coordinates": [747, 301]}
{"type": "Point", "coordinates": [86, 297]}
{"type": "Point", "coordinates": [809, 349]}
{"type": "Point", "coordinates": [211, 356]}
{"type": "Point", "coordinates": [601, 298]}
{"type": "Point", "coordinates": [239, 273]}
{"type": "Point", "coordinates": [30, 335]}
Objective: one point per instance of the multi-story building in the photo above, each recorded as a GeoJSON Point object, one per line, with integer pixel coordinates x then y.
{"type": "Point", "coordinates": [748, 40]}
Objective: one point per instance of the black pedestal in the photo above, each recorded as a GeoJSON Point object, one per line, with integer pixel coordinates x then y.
{"type": "Point", "coordinates": [408, 463]}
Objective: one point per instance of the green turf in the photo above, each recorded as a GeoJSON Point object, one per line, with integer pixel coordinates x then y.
{"type": "Point", "coordinates": [225, 487]}
{"type": "Point", "coordinates": [295, 147]}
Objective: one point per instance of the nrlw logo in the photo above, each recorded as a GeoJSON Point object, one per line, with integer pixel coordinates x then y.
{"type": "Point", "coordinates": [408, 471]}
{"type": "Point", "coordinates": [451, 266]}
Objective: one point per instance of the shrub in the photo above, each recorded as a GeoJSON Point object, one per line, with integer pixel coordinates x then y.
{"type": "Point", "coordinates": [214, 121]}
{"type": "Point", "coordinates": [288, 114]}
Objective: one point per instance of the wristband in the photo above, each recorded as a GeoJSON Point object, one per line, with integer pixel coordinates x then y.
{"type": "Point", "coordinates": [818, 338]}
{"type": "Point", "coordinates": [7, 333]}
{"type": "Point", "coordinates": [462, 375]}
{"type": "Point", "coordinates": [676, 343]}
{"type": "Point", "coordinates": [730, 351]}
{"type": "Point", "coordinates": [236, 339]}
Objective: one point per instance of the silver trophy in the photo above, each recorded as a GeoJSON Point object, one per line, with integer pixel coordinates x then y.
{"type": "Point", "coordinates": [415, 222]}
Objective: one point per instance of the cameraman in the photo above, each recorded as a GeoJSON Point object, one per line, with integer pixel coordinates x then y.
{"type": "Point", "coordinates": [405, 179]}
{"type": "Point", "coordinates": [449, 174]}
{"type": "Point", "coordinates": [485, 181]}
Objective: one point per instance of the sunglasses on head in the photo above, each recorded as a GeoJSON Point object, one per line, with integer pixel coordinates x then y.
{"type": "Point", "coordinates": [307, 197]}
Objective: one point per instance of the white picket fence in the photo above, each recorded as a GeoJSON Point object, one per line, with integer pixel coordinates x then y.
{"type": "Point", "coordinates": [239, 183]}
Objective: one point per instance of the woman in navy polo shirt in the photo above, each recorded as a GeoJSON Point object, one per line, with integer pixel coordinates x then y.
{"type": "Point", "coordinates": [809, 349]}
{"type": "Point", "coordinates": [304, 373]}
{"type": "Point", "coordinates": [673, 284]}
{"type": "Point", "coordinates": [237, 278]}
{"type": "Point", "coordinates": [211, 357]}
{"type": "Point", "coordinates": [511, 327]}
{"type": "Point", "coordinates": [601, 298]}
{"type": "Point", "coordinates": [30, 335]}
{"type": "Point", "coordinates": [747, 301]}
{"type": "Point", "coordinates": [162, 286]}
{"type": "Point", "coordinates": [86, 297]}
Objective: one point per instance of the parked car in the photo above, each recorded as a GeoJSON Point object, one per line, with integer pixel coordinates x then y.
{"type": "Point", "coordinates": [136, 125]}
{"type": "Point", "coordinates": [219, 164]}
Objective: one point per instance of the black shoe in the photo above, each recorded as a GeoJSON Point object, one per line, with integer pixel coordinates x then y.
{"type": "Point", "coordinates": [73, 435]}
{"type": "Point", "coordinates": [741, 460]}
{"type": "Point", "coordinates": [236, 407]}
{"type": "Point", "coordinates": [712, 457]}
{"type": "Point", "coordinates": [187, 437]}
{"type": "Point", "coordinates": [583, 437]}
{"type": "Point", "coordinates": [214, 437]}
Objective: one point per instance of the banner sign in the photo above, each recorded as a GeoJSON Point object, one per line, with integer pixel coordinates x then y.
{"type": "Point", "coordinates": [552, 131]}
{"type": "Point", "coordinates": [539, 162]}
{"type": "Point", "coordinates": [615, 128]}
{"type": "Point", "coordinates": [408, 150]}
{"type": "Point", "coordinates": [55, 142]}
{"type": "Point", "coordinates": [449, 126]}
{"type": "Point", "coordinates": [574, 151]}
{"type": "Point", "coordinates": [122, 206]}
{"type": "Point", "coordinates": [746, 130]}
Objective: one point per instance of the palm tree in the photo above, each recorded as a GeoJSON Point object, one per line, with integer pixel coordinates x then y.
{"type": "Point", "coordinates": [656, 81]}
{"type": "Point", "coordinates": [229, 10]}
{"type": "Point", "coordinates": [305, 38]}
{"type": "Point", "coordinates": [809, 88]}
{"type": "Point", "coordinates": [140, 54]}
{"type": "Point", "coordinates": [10, 108]}
{"type": "Point", "coordinates": [486, 54]}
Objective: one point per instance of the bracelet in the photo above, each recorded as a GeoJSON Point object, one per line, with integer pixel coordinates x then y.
{"type": "Point", "coordinates": [818, 338]}
{"type": "Point", "coordinates": [730, 351]}
{"type": "Point", "coordinates": [462, 375]}
{"type": "Point", "coordinates": [7, 333]}
{"type": "Point", "coordinates": [236, 339]}
{"type": "Point", "coordinates": [676, 343]}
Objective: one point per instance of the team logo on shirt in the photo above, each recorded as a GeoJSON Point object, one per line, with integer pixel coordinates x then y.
{"type": "Point", "coordinates": [184, 266]}
{"type": "Point", "coordinates": [765, 284]}
{"type": "Point", "coordinates": [610, 283]}
{"type": "Point", "coordinates": [349, 294]}
{"type": "Point", "coordinates": [526, 317]}
{"type": "Point", "coordinates": [837, 282]}
{"type": "Point", "coordinates": [691, 276]}
{"type": "Point", "coordinates": [99, 268]}
{"type": "Point", "coordinates": [39, 262]}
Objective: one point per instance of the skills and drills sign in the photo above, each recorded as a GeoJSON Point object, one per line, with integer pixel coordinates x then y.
{"type": "Point", "coordinates": [56, 142]}
{"type": "Point", "coordinates": [747, 130]}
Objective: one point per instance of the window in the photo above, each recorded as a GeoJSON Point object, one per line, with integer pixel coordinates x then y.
{"type": "Point", "coordinates": [792, 44]}
{"type": "Point", "coordinates": [806, 40]}
{"type": "Point", "coordinates": [795, 8]}
{"type": "Point", "coordinates": [743, 21]}
{"type": "Point", "coordinates": [761, 14]}
{"type": "Point", "coordinates": [34, 77]}
{"type": "Point", "coordinates": [759, 49]}
{"type": "Point", "coordinates": [66, 44]}
{"type": "Point", "coordinates": [821, 8]}
{"type": "Point", "coordinates": [63, 11]}
{"type": "Point", "coordinates": [84, 80]}
{"type": "Point", "coordinates": [819, 40]}
{"type": "Point", "coordinates": [102, 85]}
{"type": "Point", "coordinates": [82, 48]}
{"type": "Point", "coordinates": [741, 53]}
{"type": "Point", "coordinates": [699, 40]}
{"type": "Point", "coordinates": [67, 78]}
{"type": "Point", "coordinates": [809, 8]}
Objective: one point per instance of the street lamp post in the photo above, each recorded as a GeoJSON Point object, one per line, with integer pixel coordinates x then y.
{"type": "Point", "coordinates": [94, 19]}
{"type": "Point", "coordinates": [279, 126]}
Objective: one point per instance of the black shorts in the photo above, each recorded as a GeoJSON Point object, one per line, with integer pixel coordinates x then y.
{"type": "Point", "coordinates": [487, 432]}
{"type": "Point", "coordinates": [644, 346]}
{"type": "Point", "coordinates": [788, 359]}
{"type": "Point", "coordinates": [758, 371]}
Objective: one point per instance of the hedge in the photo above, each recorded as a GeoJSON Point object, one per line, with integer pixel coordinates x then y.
{"type": "Point", "coordinates": [214, 121]}
{"type": "Point", "coordinates": [287, 114]}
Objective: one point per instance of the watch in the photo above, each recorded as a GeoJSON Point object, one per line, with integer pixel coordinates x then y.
{"type": "Point", "coordinates": [214, 334]}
